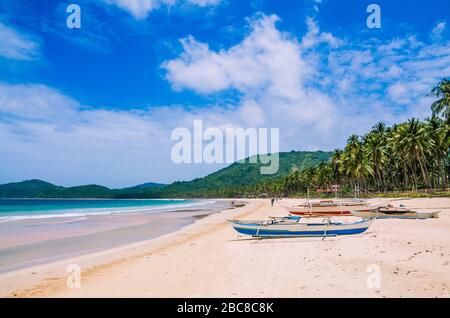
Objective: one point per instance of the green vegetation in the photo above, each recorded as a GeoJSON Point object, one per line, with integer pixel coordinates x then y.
{"type": "Point", "coordinates": [42, 189]}
{"type": "Point", "coordinates": [407, 159]}
{"type": "Point", "coordinates": [28, 189]}
{"type": "Point", "coordinates": [409, 156]}
{"type": "Point", "coordinates": [236, 179]}
{"type": "Point", "coordinates": [228, 182]}
{"type": "Point", "coordinates": [442, 105]}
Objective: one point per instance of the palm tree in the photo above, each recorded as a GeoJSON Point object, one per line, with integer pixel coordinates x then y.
{"type": "Point", "coordinates": [336, 162]}
{"type": "Point", "coordinates": [324, 172]}
{"type": "Point", "coordinates": [437, 132]}
{"type": "Point", "coordinates": [408, 155]}
{"type": "Point", "coordinates": [355, 164]}
{"type": "Point", "coordinates": [375, 150]}
{"type": "Point", "coordinates": [442, 105]}
{"type": "Point", "coordinates": [411, 142]}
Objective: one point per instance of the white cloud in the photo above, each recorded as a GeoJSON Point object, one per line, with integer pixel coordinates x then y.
{"type": "Point", "coordinates": [141, 8]}
{"type": "Point", "coordinates": [15, 45]}
{"type": "Point", "coordinates": [402, 69]}
{"type": "Point", "coordinates": [46, 134]}
{"type": "Point", "coordinates": [265, 60]}
{"type": "Point", "coordinates": [267, 67]}
{"type": "Point", "coordinates": [314, 37]}
{"type": "Point", "coordinates": [251, 113]}
{"type": "Point", "coordinates": [320, 88]}
{"type": "Point", "coordinates": [316, 4]}
{"type": "Point", "coordinates": [397, 91]}
{"type": "Point", "coordinates": [204, 3]}
{"type": "Point", "coordinates": [315, 92]}
{"type": "Point", "coordinates": [138, 8]}
{"type": "Point", "coordinates": [436, 33]}
{"type": "Point", "coordinates": [35, 102]}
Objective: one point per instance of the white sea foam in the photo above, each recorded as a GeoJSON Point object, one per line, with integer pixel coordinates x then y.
{"type": "Point", "coordinates": [83, 213]}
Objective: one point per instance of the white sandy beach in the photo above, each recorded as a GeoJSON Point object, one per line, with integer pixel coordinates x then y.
{"type": "Point", "coordinates": [208, 259]}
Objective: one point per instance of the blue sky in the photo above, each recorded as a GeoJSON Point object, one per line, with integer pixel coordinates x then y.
{"type": "Point", "coordinates": [98, 104]}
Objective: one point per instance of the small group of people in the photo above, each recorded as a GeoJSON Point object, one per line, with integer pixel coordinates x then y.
{"type": "Point", "coordinates": [273, 200]}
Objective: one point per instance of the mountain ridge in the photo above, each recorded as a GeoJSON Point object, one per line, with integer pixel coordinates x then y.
{"type": "Point", "coordinates": [235, 176]}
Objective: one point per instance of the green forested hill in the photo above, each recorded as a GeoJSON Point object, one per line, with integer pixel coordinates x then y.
{"type": "Point", "coordinates": [28, 189]}
{"type": "Point", "coordinates": [247, 174]}
{"type": "Point", "coordinates": [224, 182]}
{"type": "Point", "coordinates": [243, 174]}
{"type": "Point", "coordinates": [42, 189]}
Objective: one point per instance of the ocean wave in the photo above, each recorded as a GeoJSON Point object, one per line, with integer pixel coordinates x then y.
{"type": "Point", "coordinates": [80, 213]}
{"type": "Point", "coordinates": [4, 219]}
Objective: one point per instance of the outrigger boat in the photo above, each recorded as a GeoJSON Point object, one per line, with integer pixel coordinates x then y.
{"type": "Point", "coordinates": [329, 208]}
{"type": "Point", "coordinates": [289, 227]}
{"type": "Point", "coordinates": [391, 212]}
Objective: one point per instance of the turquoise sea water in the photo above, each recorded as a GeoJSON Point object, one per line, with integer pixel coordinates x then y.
{"type": "Point", "coordinates": [19, 209]}
{"type": "Point", "coordinates": [36, 232]}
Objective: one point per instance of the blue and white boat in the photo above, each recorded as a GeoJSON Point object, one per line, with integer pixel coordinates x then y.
{"type": "Point", "coordinates": [288, 227]}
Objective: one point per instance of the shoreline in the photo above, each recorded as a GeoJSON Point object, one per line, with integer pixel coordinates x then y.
{"type": "Point", "coordinates": [118, 199]}
{"type": "Point", "coordinates": [34, 241]}
{"type": "Point", "coordinates": [208, 259]}
{"type": "Point", "coordinates": [30, 280]}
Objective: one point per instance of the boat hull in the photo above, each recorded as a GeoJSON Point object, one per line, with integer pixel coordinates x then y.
{"type": "Point", "coordinates": [394, 215]}
{"type": "Point", "coordinates": [300, 229]}
{"type": "Point", "coordinates": [325, 210]}
{"type": "Point", "coordinates": [293, 211]}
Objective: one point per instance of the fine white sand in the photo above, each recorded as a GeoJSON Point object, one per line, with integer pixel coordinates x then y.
{"type": "Point", "coordinates": [394, 258]}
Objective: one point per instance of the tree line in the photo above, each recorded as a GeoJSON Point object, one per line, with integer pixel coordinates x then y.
{"type": "Point", "coordinates": [408, 156]}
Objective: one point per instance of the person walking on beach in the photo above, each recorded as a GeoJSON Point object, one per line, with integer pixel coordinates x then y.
{"type": "Point", "coordinates": [272, 200]}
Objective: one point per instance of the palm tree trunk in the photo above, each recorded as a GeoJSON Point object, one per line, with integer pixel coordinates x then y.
{"type": "Point", "coordinates": [423, 168]}
{"type": "Point", "coordinates": [414, 176]}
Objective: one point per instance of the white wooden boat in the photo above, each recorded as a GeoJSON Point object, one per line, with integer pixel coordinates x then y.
{"type": "Point", "coordinates": [290, 228]}
{"type": "Point", "coordinates": [329, 208]}
{"type": "Point", "coordinates": [391, 212]}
